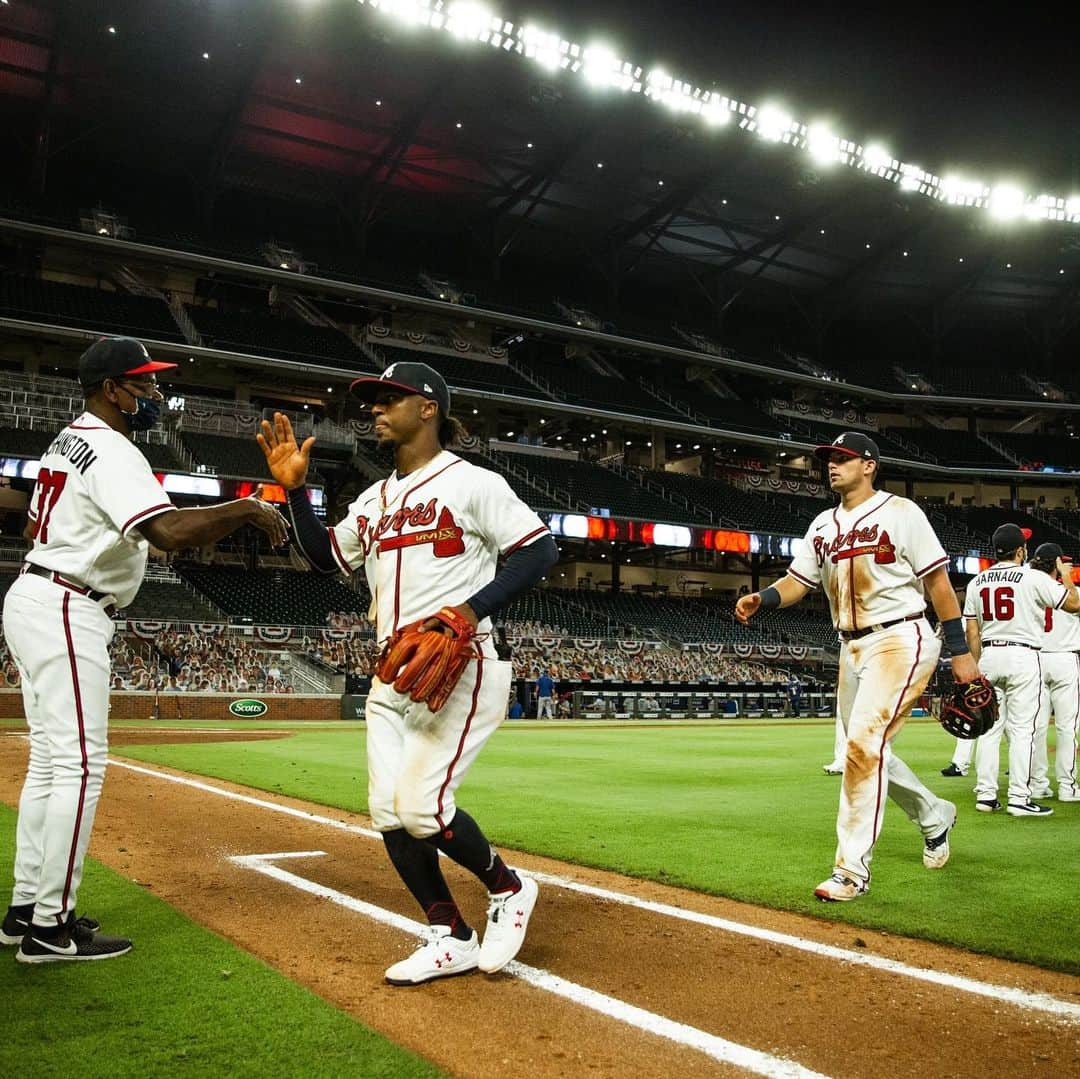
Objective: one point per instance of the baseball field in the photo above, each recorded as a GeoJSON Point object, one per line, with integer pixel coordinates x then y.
{"type": "Point", "coordinates": [676, 930]}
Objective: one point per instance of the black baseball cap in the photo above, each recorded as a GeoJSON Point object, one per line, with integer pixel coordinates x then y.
{"type": "Point", "coordinates": [1050, 552]}
{"type": "Point", "coordinates": [1008, 537]}
{"type": "Point", "coordinates": [111, 357]}
{"type": "Point", "coordinates": [409, 377]}
{"type": "Point", "coordinates": [853, 443]}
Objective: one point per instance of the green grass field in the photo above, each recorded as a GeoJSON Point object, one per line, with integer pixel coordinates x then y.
{"type": "Point", "coordinates": [184, 1003]}
{"type": "Point", "coordinates": [740, 811]}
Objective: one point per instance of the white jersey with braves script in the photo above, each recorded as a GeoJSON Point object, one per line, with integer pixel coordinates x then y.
{"type": "Point", "coordinates": [870, 561]}
{"type": "Point", "coordinates": [94, 488]}
{"type": "Point", "coordinates": [1061, 631]}
{"type": "Point", "coordinates": [432, 539]}
{"type": "Point", "coordinates": [1009, 603]}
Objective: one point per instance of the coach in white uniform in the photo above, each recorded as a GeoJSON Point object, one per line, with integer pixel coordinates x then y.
{"type": "Point", "coordinates": [1005, 610]}
{"type": "Point", "coordinates": [877, 559]}
{"type": "Point", "coordinates": [1060, 658]}
{"type": "Point", "coordinates": [95, 506]}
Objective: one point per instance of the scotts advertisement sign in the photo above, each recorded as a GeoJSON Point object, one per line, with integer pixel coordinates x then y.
{"type": "Point", "coordinates": [248, 709]}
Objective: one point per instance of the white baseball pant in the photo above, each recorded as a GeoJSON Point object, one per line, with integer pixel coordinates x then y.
{"type": "Point", "coordinates": [882, 675]}
{"type": "Point", "coordinates": [545, 707]}
{"type": "Point", "coordinates": [962, 754]}
{"type": "Point", "coordinates": [1061, 692]}
{"type": "Point", "coordinates": [1015, 672]}
{"type": "Point", "coordinates": [60, 643]}
{"type": "Point", "coordinates": [417, 758]}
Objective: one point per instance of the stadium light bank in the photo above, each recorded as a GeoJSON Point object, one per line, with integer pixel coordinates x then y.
{"type": "Point", "coordinates": [603, 69]}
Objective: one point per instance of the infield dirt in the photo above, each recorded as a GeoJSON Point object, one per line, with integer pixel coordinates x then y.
{"type": "Point", "coordinates": [838, 1018]}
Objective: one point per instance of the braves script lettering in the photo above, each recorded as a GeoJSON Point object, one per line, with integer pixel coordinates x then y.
{"type": "Point", "coordinates": [858, 541]}
{"type": "Point", "coordinates": [445, 538]}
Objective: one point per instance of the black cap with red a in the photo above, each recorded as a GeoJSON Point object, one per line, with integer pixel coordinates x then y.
{"type": "Point", "coordinates": [114, 357]}
{"type": "Point", "coordinates": [408, 377]}
{"type": "Point", "coordinates": [851, 443]}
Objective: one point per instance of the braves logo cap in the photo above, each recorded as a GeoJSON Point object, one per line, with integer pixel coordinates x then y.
{"type": "Point", "coordinates": [1049, 552]}
{"type": "Point", "coordinates": [112, 357]}
{"type": "Point", "coordinates": [853, 443]}
{"type": "Point", "coordinates": [1008, 537]}
{"type": "Point", "coordinates": [408, 377]}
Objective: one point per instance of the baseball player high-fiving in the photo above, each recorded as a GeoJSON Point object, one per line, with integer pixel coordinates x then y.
{"type": "Point", "coordinates": [94, 512]}
{"type": "Point", "coordinates": [428, 538]}
{"type": "Point", "coordinates": [874, 555]}
{"type": "Point", "coordinates": [1005, 608]}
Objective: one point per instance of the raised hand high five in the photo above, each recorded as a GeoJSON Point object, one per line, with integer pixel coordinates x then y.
{"type": "Point", "coordinates": [287, 461]}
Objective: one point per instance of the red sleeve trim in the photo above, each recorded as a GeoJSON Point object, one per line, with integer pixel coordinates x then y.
{"type": "Point", "coordinates": [84, 427]}
{"type": "Point", "coordinates": [345, 567]}
{"type": "Point", "coordinates": [525, 539]}
{"type": "Point", "coordinates": [933, 565]}
{"type": "Point", "coordinates": [146, 514]}
{"type": "Point", "coordinates": [800, 578]}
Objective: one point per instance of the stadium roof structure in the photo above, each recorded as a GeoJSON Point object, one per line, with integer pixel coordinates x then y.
{"type": "Point", "coordinates": [337, 106]}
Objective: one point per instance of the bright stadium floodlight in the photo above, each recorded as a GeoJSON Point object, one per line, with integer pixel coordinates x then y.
{"type": "Point", "coordinates": [823, 145]}
{"type": "Point", "coordinates": [716, 111]}
{"type": "Point", "coordinates": [541, 46]}
{"type": "Point", "coordinates": [409, 12]}
{"type": "Point", "coordinates": [773, 123]}
{"type": "Point", "coordinates": [1006, 202]}
{"type": "Point", "coordinates": [1072, 208]}
{"type": "Point", "coordinates": [469, 21]}
{"type": "Point", "coordinates": [602, 67]}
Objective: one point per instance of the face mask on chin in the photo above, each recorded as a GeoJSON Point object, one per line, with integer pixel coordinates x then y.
{"type": "Point", "coordinates": [147, 414]}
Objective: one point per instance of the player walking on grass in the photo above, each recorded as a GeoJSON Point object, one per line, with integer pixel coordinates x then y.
{"type": "Point", "coordinates": [428, 538]}
{"type": "Point", "coordinates": [1006, 608]}
{"type": "Point", "coordinates": [94, 512]}
{"type": "Point", "coordinates": [874, 555]}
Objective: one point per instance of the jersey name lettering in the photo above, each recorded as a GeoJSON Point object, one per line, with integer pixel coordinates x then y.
{"type": "Point", "coordinates": [77, 450]}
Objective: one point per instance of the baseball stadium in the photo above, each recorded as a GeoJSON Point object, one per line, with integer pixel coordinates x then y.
{"type": "Point", "coordinates": [579, 452]}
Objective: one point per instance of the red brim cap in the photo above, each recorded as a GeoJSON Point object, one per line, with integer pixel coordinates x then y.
{"type": "Point", "coordinates": [1026, 532]}
{"type": "Point", "coordinates": [150, 368]}
{"type": "Point", "coordinates": [369, 387]}
{"type": "Point", "coordinates": [822, 452]}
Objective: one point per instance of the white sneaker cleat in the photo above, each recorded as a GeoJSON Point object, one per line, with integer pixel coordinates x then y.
{"type": "Point", "coordinates": [1068, 794]}
{"type": "Point", "coordinates": [840, 888]}
{"type": "Point", "coordinates": [1028, 809]}
{"type": "Point", "coordinates": [507, 922]}
{"type": "Point", "coordinates": [834, 768]}
{"type": "Point", "coordinates": [936, 849]}
{"type": "Point", "coordinates": [441, 955]}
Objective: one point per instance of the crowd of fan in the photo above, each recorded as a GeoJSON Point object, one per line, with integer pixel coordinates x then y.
{"type": "Point", "coordinates": [192, 663]}
{"type": "Point", "coordinates": [9, 673]}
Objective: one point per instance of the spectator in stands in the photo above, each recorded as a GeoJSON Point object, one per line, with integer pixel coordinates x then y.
{"type": "Point", "coordinates": [794, 690]}
{"type": "Point", "coordinates": [545, 701]}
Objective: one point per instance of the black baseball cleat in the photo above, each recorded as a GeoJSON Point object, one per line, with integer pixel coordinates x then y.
{"type": "Point", "coordinates": [989, 805]}
{"type": "Point", "coordinates": [76, 941]}
{"type": "Point", "coordinates": [952, 770]}
{"type": "Point", "coordinates": [16, 923]}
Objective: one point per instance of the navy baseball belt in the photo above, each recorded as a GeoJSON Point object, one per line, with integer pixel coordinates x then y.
{"type": "Point", "coordinates": [1010, 644]}
{"type": "Point", "coordinates": [855, 634]}
{"type": "Point", "coordinates": [71, 586]}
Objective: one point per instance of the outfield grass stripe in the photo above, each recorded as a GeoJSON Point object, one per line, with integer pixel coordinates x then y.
{"type": "Point", "coordinates": [1021, 998]}
{"type": "Point", "coordinates": [713, 1046]}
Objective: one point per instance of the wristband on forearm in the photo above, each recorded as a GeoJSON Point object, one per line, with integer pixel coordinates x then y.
{"type": "Point", "coordinates": [952, 629]}
{"type": "Point", "coordinates": [770, 598]}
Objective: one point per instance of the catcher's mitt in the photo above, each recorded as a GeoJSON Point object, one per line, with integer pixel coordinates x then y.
{"type": "Point", "coordinates": [427, 664]}
{"type": "Point", "coordinates": [969, 710]}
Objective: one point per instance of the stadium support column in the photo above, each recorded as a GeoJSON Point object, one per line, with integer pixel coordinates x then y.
{"type": "Point", "coordinates": [755, 573]}
{"type": "Point", "coordinates": [616, 569]}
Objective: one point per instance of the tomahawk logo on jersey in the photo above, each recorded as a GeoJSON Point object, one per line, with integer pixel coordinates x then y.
{"type": "Point", "coordinates": [86, 520]}
{"type": "Point", "coordinates": [432, 539]}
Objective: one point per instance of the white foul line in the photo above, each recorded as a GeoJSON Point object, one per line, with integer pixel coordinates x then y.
{"type": "Point", "coordinates": [1021, 998]}
{"type": "Point", "coordinates": [710, 1044]}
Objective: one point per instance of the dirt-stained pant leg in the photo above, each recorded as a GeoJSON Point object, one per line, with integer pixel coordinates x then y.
{"type": "Point", "coordinates": [881, 677]}
{"type": "Point", "coordinates": [1061, 694]}
{"type": "Point", "coordinates": [417, 759]}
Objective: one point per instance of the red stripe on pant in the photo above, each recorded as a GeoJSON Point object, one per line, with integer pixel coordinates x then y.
{"type": "Point", "coordinates": [461, 741]}
{"type": "Point", "coordinates": [85, 763]}
{"type": "Point", "coordinates": [885, 737]}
